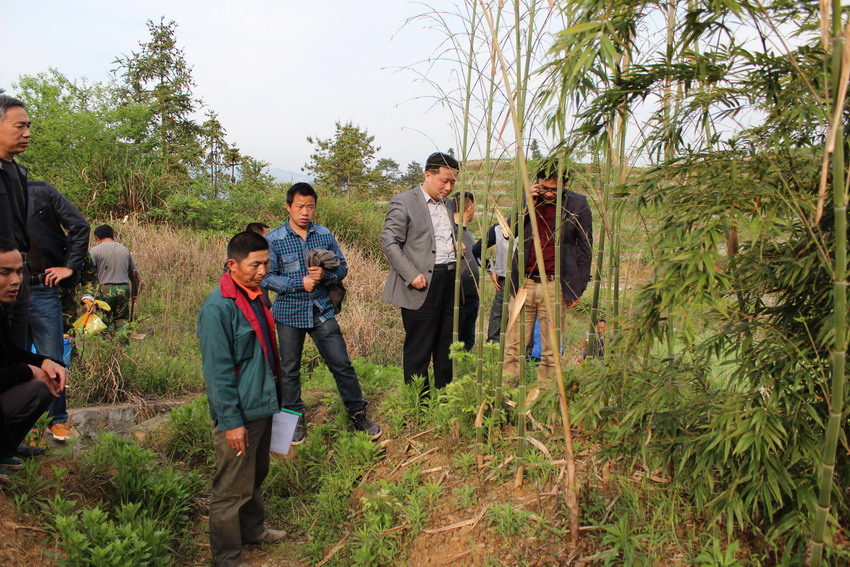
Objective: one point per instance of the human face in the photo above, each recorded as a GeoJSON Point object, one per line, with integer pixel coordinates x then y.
{"type": "Point", "coordinates": [468, 212]}
{"type": "Point", "coordinates": [301, 211]}
{"type": "Point", "coordinates": [547, 189]}
{"type": "Point", "coordinates": [600, 327]}
{"type": "Point", "coordinates": [251, 270]}
{"type": "Point", "coordinates": [439, 185]}
{"type": "Point", "coordinates": [14, 132]}
{"type": "Point", "coordinates": [11, 275]}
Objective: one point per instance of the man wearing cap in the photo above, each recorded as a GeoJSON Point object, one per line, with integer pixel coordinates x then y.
{"type": "Point", "coordinates": [419, 243]}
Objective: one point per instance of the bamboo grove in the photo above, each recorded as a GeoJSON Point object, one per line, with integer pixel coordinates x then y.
{"type": "Point", "coordinates": [719, 129]}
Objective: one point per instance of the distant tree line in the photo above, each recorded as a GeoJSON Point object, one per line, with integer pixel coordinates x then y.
{"type": "Point", "coordinates": [131, 145]}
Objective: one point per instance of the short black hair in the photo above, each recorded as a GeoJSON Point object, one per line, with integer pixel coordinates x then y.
{"type": "Point", "coordinates": [5, 248]}
{"type": "Point", "coordinates": [468, 199]}
{"type": "Point", "coordinates": [301, 188]}
{"type": "Point", "coordinates": [438, 159]}
{"type": "Point", "coordinates": [257, 227]}
{"type": "Point", "coordinates": [7, 102]}
{"type": "Point", "coordinates": [600, 320]}
{"type": "Point", "coordinates": [104, 231]}
{"type": "Point", "coordinates": [549, 170]}
{"type": "Point", "coordinates": [241, 245]}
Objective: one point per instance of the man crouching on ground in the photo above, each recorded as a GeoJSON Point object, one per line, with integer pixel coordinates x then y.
{"type": "Point", "coordinates": [241, 368]}
{"type": "Point", "coordinates": [28, 382]}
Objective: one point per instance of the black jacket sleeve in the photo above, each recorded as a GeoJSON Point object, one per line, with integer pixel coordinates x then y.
{"type": "Point", "coordinates": [77, 227]}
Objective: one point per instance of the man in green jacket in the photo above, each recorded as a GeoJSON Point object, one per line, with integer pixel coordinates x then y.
{"type": "Point", "coordinates": [241, 368]}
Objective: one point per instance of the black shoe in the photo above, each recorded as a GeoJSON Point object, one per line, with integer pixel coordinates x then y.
{"type": "Point", "coordinates": [300, 434]}
{"type": "Point", "coordinates": [363, 423]}
{"type": "Point", "coordinates": [25, 451]}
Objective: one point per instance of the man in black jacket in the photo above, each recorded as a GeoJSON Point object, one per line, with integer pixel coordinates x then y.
{"type": "Point", "coordinates": [56, 259]}
{"type": "Point", "coordinates": [576, 239]}
{"type": "Point", "coordinates": [14, 139]}
{"type": "Point", "coordinates": [28, 382]}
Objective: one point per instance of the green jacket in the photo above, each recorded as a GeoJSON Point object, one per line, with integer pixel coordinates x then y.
{"type": "Point", "coordinates": [241, 386]}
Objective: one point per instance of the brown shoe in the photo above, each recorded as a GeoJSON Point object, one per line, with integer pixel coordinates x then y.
{"type": "Point", "coordinates": [62, 431]}
{"type": "Point", "coordinates": [270, 536]}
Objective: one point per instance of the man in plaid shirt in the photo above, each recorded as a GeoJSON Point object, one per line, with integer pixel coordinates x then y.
{"type": "Point", "coordinates": [303, 306]}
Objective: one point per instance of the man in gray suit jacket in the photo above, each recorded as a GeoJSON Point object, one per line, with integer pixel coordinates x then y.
{"type": "Point", "coordinates": [419, 243]}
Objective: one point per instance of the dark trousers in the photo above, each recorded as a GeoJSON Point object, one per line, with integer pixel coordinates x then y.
{"type": "Point", "coordinates": [328, 338]}
{"type": "Point", "coordinates": [21, 406]}
{"type": "Point", "coordinates": [495, 326]}
{"type": "Point", "coordinates": [237, 515]}
{"type": "Point", "coordinates": [466, 324]}
{"type": "Point", "coordinates": [428, 331]}
{"type": "Point", "coordinates": [20, 313]}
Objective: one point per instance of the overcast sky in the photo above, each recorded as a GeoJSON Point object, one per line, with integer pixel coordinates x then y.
{"type": "Point", "coordinates": [276, 72]}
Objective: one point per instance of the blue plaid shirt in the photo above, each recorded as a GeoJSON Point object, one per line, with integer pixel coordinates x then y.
{"type": "Point", "coordinates": [288, 265]}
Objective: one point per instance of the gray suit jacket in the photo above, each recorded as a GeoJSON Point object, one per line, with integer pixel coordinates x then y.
{"type": "Point", "coordinates": [408, 242]}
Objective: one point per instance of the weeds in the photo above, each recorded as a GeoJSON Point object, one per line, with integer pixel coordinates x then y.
{"type": "Point", "coordinates": [625, 544]}
{"type": "Point", "coordinates": [465, 496]}
{"type": "Point", "coordinates": [189, 434]}
{"type": "Point", "coordinates": [511, 522]}
{"type": "Point", "coordinates": [31, 487]}
{"type": "Point", "coordinates": [92, 538]}
{"type": "Point", "coordinates": [312, 488]}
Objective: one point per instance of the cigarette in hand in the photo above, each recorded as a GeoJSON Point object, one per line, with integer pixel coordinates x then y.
{"type": "Point", "coordinates": [239, 454]}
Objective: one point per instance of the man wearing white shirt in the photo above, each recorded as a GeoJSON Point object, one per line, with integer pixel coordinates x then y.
{"type": "Point", "coordinates": [419, 243]}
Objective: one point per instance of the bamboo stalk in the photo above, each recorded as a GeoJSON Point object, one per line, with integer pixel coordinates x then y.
{"type": "Point", "coordinates": [571, 486]}
{"type": "Point", "coordinates": [464, 152]}
{"type": "Point", "coordinates": [840, 65]}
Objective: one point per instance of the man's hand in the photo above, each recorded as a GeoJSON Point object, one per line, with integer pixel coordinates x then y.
{"type": "Point", "coordinates": [495, 277]}
{"type": "Point", "coordinates": [573, 303]}
{"type": "Point", "coordinates": [237, 439]}
{"type": "Point", "coordinates": [308, 282]}
{"type": "Point", "coordinates": [316, 272]}
{"type": "Point", "coordinates": [419, 282]}
{"type": "Point", "coordinates": [57, 373]}
{"type": "Point", "coordinates": [52, 276]}
{"type": "Point", "coordinates": [41, 375]}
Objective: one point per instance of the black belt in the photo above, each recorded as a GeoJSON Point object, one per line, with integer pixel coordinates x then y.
{"type": "Point", "coordinates": [37, 279]}
{"type": "Point", "coordinates": [444, 267]}
{"type": "Point", "coordinates": [535, 277]}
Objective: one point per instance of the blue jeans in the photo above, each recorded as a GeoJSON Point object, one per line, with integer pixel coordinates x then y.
{"type": "Point", "coordinates": [46, 328]}
{"type": "Point", "coordinates": [328, 339]}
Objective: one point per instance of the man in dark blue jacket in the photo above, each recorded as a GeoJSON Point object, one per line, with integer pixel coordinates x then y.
{"type": "Point", "coordinates": [56, 259]}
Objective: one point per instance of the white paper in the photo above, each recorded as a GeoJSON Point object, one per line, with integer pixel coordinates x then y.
{"type": "Point", "coordinates": [283, 428]}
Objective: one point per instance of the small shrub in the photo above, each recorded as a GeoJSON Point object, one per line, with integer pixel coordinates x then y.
{"type": "Point", "coordinates": [189, 434]}
{"type": "Point", "coordinates": [92, 539]}
{"type": "Point", "coordinates": [134, 476]}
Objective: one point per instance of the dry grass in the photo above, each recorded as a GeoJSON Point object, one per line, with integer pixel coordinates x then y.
{"type": "Point", "coordinates": [179, 268]}
{"type": "Point", "coordinates": [372, 328]}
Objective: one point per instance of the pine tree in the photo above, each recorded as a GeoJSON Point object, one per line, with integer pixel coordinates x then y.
{"type": "Point", "coordinates": [341, 163]}
{"type": "Point", "coordinates": [158, 75]}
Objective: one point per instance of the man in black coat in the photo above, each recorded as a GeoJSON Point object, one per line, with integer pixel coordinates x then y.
{"type": "Point", "coordinates": [56, 259]}
{"type": "Point", "coordinates": [576, 240]}
{"type": "Point", "coordinates": [28, 382]}
{"type": "Point", "coordinates": [14, 140]}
